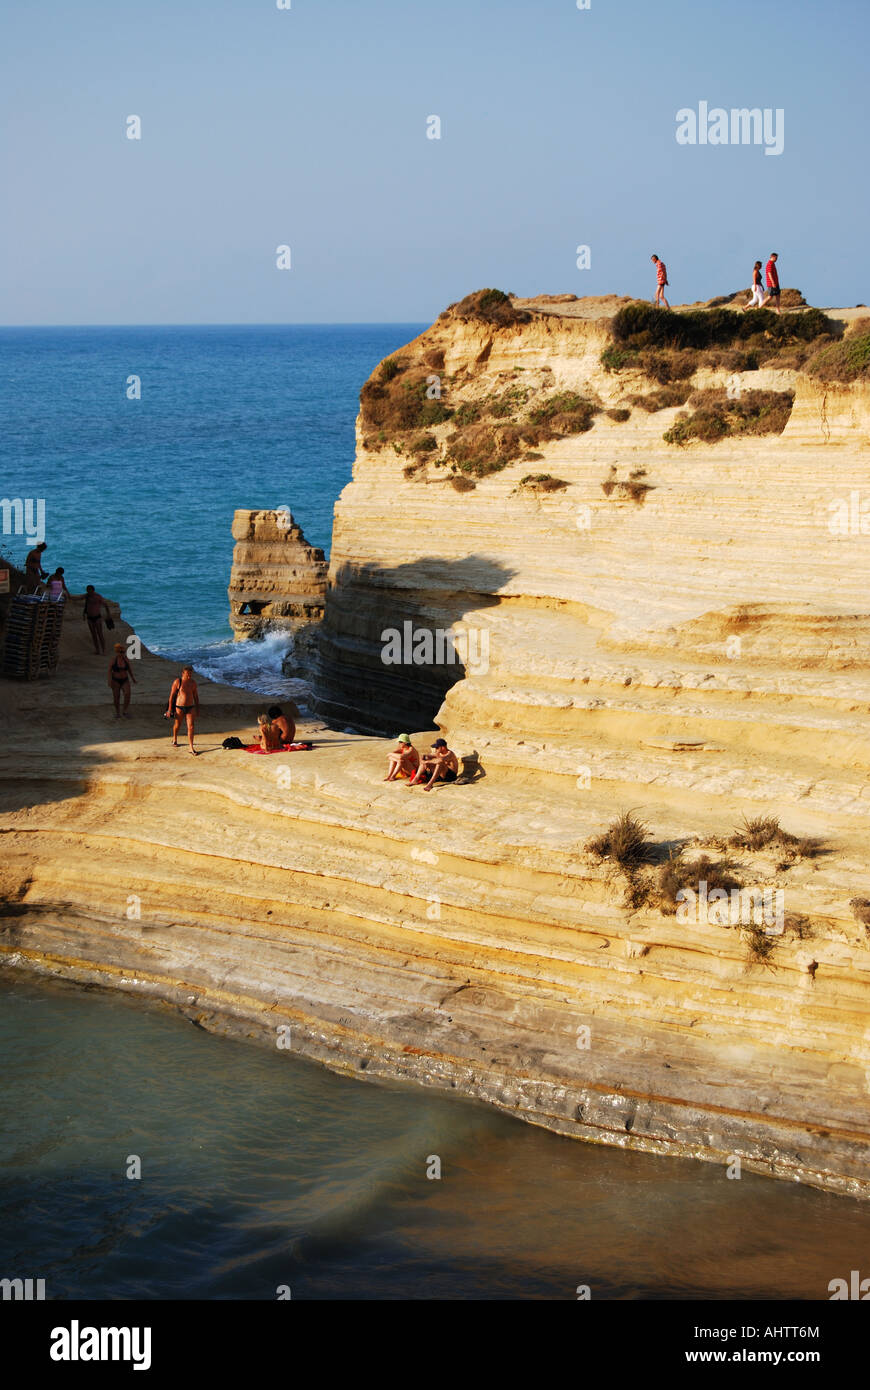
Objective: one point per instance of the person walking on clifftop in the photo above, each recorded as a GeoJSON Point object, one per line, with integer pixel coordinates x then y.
{"type": "Point", "coordinates": [771, 275]}
{"type": "Point", "coordinates": [757, 299]}
{"type": "Point", "coordinates": [661, 281]}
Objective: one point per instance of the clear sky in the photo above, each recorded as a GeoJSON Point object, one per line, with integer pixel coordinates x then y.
{"type": "Point", "coordinates": [307, 127]}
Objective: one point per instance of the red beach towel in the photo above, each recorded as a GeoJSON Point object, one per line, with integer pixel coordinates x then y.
{"type": "Point", "coordinates": [285, 748]}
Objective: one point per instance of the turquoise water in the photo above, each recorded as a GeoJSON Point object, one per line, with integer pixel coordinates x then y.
{"type": "Point", "coordinates": [260, 1170]}
{"type": "Point", "coordinates": [140, 494]}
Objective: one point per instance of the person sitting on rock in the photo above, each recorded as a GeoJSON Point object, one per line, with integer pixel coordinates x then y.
{"type": "Point", "coordinates": [404, 759]}
{"type": "Point", "coordinates": [439, 765]}
{"type": "Point", "coordinates": [271, 737]}
{"type": "Point", "coordinates": [283, 723]}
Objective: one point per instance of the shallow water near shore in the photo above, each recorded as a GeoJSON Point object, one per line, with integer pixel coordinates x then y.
{"type": "Point", "coordinates": [261, 1170]}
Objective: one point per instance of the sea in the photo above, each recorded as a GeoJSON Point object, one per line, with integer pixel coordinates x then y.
{"type": "Point", "coordinates": [141, 1157]}
{"type": "Point", "coordinates": [142, 442]}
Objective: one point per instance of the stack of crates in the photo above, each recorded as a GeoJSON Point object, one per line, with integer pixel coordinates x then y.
{"type": "Point", "coordinates": [33, 631]}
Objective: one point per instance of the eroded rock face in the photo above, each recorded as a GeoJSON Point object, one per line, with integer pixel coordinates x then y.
{"type": "Point", "coordinates": [601, 544]}
{"type": "Point", "coordinates": [278, 580]}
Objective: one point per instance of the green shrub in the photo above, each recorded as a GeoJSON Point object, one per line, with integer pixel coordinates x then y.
{"type": "Point", "coordinates": [400, 404]}
{"type": "Point", "coordinates": [614, 359]}
{"type": "Point", "coordinates": [390, 369]}
{"type": "Point", "coordinates": [848, 360]}
{"type": "Point", "coordinates": [642, 325]}
{"type": "Point", "coordinates": [425, 444]}
{"type": "Point", "coordinates": [716, 415]}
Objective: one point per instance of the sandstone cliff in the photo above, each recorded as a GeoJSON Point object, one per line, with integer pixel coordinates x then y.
{"type": "Point", "coordinates": [278, 580]}
{"type": "Point", "coordinates": [687, 640]}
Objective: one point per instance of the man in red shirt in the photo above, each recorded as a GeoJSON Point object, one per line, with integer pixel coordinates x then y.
{"type": "Point", "coordinates": [661, 281]}
{"type": "Point", "coordinates": [771, 276]}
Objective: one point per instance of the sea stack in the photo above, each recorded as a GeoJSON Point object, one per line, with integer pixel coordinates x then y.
{"type": "Point", "coordinates": [278, 580]}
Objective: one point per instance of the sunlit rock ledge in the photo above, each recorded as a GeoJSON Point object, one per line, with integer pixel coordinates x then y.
{"type": "Point", "coordinates": [468, 938]}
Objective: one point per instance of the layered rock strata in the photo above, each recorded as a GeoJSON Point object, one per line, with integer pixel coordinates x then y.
{"type": "Point", "coordinates": [697, 652]}
{"type": "Point", "coordinates": [278, 580]}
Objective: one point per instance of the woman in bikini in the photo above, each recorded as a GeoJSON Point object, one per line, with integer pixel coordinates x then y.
{"type": "Point", "coordinates": [271, 737]}
{"type": "Point", "coordinates": [183, 704]}
{"type": "Point", "coordinates": [120, 676]}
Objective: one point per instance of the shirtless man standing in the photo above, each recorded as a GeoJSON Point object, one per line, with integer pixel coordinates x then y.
{"type": "Point", "coordinates": [183, 704]}
{"type": "Point", "coordinates": [93, 611]}
{"type": "Point", "coordinates": [33, 571]}
{"type": "Point", "coordinates": [441, 765]}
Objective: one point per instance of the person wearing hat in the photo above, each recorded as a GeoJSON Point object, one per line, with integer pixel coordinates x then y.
{"type": "Point", "coordinates": [439, 765]}
{"type": "Point", "coordinates": [404, 759]}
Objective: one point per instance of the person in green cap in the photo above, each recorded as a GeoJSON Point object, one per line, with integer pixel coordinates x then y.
{"type": "Point", "coordinates": [404, 759]}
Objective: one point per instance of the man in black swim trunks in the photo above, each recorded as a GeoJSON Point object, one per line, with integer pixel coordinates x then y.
{"type": "Point", "coordinates": [441, 765]}
{"type": "Point", "coordinates": [183, 705]}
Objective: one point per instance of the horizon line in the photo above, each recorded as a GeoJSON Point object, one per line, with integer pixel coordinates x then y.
{"type": "Point", "coordinates": [296, 323]}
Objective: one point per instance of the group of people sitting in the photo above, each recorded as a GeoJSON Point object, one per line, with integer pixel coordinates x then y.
{"type": "Point", "coordinates": [440, 764]}
{"type": "Point", "coordinates": [275, 729]}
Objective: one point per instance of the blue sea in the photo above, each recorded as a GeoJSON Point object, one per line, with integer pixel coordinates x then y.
{"type": "Point", "coordinates": [140, 493]}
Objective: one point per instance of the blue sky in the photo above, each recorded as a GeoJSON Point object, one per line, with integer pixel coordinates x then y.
{"type": "Point", "coordinates": [307, 127]}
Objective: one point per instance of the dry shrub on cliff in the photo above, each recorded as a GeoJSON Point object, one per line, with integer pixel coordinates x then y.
{"type": "Point", "coordinates": [715, 416]}
{"type": "Point", "coordinates": [678, 874]}
{"type": "Point", "coordinates": [758, 833]}
{"type": "Point", "coordinates": [561, 414]}
{"type": "Point", "coordinates": [397, 401]}
{"type": "Point", "coordinates": [461, 483]}
{"type": "Point", "coordinates": [848, 360]}
{"type": "Point", "coordinates": [626, 841]}
{"type": "Point", "coordinates": [618, 413]}
{"type": "Point", "coordinates": [542, 482]}
{"type": "Point", "coordinates": [759, 946]}
{"type": "Point", "coordinates": [664, 399]}
{"type": "Point", "coordinates": [482, 449]}
{"type": "Point", "coordinates": [861, 911]}
{"type": "Point", "coordinates": [488, 306]}
{"type": "Point", "coordinates": [665, 367]}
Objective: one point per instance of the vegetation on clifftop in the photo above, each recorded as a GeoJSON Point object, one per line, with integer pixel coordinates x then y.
{"type": "Point", "coordinates": [669, 346]}
{"type": "Point", "coordinates": [715, 415]}
{"type": "Point", "coordinates": [848, 360]}
{"type": "Point", "coordinates": [488, 306]}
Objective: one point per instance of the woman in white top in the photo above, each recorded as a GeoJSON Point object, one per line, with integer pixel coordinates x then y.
{"type": "Point", "coordinates": [757, 298]}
